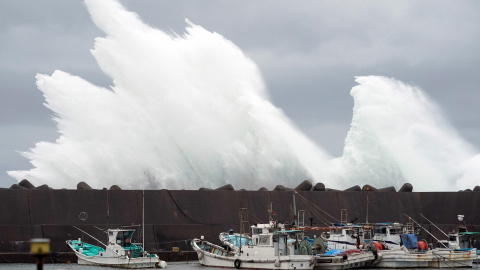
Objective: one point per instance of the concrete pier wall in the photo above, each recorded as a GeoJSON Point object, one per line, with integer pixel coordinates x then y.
{"type": "Point", "coordinates": [172, 217]}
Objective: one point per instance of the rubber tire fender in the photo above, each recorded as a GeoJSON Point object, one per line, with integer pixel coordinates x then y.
{"type": "Point", "coordinates": [237, 263]}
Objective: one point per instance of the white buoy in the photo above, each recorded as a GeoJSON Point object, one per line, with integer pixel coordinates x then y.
{"type": "Point", "coordinates": [161, 264]}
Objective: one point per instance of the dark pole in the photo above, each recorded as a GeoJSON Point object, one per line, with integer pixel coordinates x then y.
{"type": "Point", "coordinates": [39, 262]}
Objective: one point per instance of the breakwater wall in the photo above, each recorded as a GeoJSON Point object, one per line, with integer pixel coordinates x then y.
{"type": "Point", "coordinates": [173, 217]}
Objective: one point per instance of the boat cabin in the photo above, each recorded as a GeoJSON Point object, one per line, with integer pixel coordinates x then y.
{"type": "Point", "coordinates": [120, 241]}
{"type": "Point", "coordinates": [460, 240]}
{"type": "Point", "coordinates": [263, 239]}
{"type": "Point", "coordinates": [389, 233]}
{"type": "Point", "coordinates": [345, 236]}
{"type": "Point", "coordinates": [121, 237]}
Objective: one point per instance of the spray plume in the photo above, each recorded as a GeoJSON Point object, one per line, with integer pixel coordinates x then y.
{"type": "Point", "coordinates": [192, 110]}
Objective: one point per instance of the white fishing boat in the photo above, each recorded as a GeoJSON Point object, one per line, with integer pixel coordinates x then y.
{"type": "Point", "coordinates": [343, 253]}
{"type": "Point", "coordinates": [461, 239]}
{"type": "Point", "coordinates": [402, 250]}
{"type": "Point", "coordinates": [266, 251]}
{"type": "Point", "coordinates": [119, 252]}
{"type": "Point", "coordinates": [338, 247]}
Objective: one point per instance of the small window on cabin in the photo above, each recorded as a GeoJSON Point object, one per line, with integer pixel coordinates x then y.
{"type": "Point", "coordinates": [264, 240]}
{"type": "Point", "coordinates": [380, 230]}
{"type": "Point", "coordinates": [257, 230]}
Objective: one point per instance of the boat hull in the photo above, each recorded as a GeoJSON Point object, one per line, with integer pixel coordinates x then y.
{"type": "Point", "coordinates": [445, 258]}
{"type": "Point", "coordinates": [118, 262]}
{"type": "Point", "coordinates": [218, 257]}
{"type": "Point", "coordinates": [429, 259]}
{"type": "Point", "coordinates": [357, 260]}
{"type": "Point", "coordinates": [281, 262]}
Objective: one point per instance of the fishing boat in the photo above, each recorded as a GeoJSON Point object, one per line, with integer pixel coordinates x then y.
{"type": "Point", "coordinates": [338, 247]}
{"type": "Point", "coordinates": [267, 250]}
{"type": "Point", "coordinates": [119, 252]}
{"type": "Point", "coordinates": [397, 246]}
{"type": "Point", "coordinates": [461, 239]}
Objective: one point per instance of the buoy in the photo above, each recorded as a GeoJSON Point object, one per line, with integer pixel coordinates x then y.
{"type": "Point", "coordinates": [161, 264]}
{"type": "Point", "coordinates": [422, 245]}
{"type": "Point", "coordinates": [377, 246]}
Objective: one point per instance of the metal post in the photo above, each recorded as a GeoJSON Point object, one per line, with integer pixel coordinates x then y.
{"type": "Point", "coordinates": [39, 248]}
{"type": "Point", "coordinates": [143, 222]}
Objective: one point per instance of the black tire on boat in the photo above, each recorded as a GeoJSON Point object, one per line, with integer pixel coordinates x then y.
{"type": "Point", "coordinates": [237, 263]}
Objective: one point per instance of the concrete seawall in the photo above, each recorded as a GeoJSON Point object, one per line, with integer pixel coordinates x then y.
{"type": "Point", "coordinates": [172, 217]}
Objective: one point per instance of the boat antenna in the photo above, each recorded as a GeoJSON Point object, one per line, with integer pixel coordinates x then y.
{"type": "Point", "coordinates": [434, 225]}
{"type": "Point", "coordinates": [270, 212]}
{"type": "Point", "coordinates": [108, 211]}
{"type": "Point", "coordinates": [366, 219]}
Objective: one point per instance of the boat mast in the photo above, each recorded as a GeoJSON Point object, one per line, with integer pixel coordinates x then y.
{"type": "Point", "coordinates": [366, 221]}
{"type": "Point", "coordinates": [143, 221]}
{"type": "Point", "coordinates": [294, 210]}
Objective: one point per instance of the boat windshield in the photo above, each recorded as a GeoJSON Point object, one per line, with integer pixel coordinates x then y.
{"type": "Point", "coordinates": [124, 238]}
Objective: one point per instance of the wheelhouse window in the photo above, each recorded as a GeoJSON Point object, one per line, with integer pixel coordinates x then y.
{"type": "Point", "coordinates": [264, 240]}
{"type": "Point", "coordinates": [256, 230]}
{"type": "Point", "coordinates": [380, 230]}
{"type": "Point", "coordinates": [124, 238]}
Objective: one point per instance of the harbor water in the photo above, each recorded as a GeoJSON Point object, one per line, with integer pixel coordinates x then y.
{"type": "Point", "coordinates": [171, 266]}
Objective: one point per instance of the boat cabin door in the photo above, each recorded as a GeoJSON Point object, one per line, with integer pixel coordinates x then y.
{"type": "Point", "coordinates": [280, 245]}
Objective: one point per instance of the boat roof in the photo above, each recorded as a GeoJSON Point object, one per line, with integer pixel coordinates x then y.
{"type": "Point", "coordinates": [120, 230]}
{"type": "Point", "coordinates": [346, 225]}
{"type": "Point", "coordinates": [469, 233]}
{"type": "Point", "coordinates": [289, 231]}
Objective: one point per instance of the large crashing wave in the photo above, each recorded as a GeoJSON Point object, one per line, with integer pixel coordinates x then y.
{"type": "Point", "coordinates": [399, 135]}
{"type": "Point", "coordinates": [190, 111]}
{"type": "Point", "coordinates": [184, 112]}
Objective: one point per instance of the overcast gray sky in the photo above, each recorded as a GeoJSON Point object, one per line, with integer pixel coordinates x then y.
{"type": "Point", "coordinates": [307, 51]}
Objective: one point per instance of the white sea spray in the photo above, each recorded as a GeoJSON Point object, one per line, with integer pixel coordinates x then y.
{"type": "Point", "coordinates": [191, 110]}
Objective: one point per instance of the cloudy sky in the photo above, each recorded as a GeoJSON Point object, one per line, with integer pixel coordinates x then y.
{"type": "Point", "coordinates": [308, 54]}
